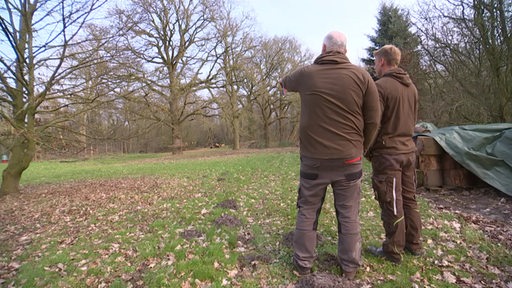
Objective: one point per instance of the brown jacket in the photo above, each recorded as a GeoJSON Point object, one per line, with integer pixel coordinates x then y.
{"type": "Point", "coordinates": [399, 103]}
{"type": "Point", "coordinates": [340, 109]}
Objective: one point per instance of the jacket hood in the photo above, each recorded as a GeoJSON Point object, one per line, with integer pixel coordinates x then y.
{"type": "Point", "coordinates": [332, 57]}
{"type": "Point", "coordinates": [399, 75]}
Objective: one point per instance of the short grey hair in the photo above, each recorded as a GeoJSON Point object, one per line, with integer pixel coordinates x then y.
{"type": "Point", "coordinates": [336, 41]}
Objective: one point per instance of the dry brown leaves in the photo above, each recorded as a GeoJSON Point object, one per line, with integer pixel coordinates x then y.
{"type": "Point", "coordinates": [487, 209]}
{"type": "Point", "coordinates": [65, 210]}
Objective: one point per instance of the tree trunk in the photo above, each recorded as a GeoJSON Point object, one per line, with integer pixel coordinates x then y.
{"type": "Point", "coordinates": [177, 142]}
{"type": "Point", "coordinates": [236, 134]}
{"type": "Point", "coordinates": [280, 131]}
{"type": "Point", "coordinates": [266, 134]}
{"type": "Point", "coordinates": [22, 154]}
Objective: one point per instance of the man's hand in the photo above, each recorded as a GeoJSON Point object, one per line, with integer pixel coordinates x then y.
{"type": "Point", "coordinates": [282, 90]}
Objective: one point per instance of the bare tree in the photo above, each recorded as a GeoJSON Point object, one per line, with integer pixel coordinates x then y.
{"type": "Point", "coordinates": [175, 42]}
{"type": "Point", "coordinates": [286, 108]}
{"type": "Point", "coordinates": [493, 21]}
{"type": "Point", "coordinates": [37, 38]}
{"type": "Point", "coordinates": [89, 94]}
{"type": "Point", "coordinates": [274, 57]}
{"type": "Point", "coordinates": [468, 45]}
{"type": "Point", "coordinates": [237, 41]}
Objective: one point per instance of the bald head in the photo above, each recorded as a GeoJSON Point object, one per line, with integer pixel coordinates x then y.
{"type": "Point", "coordinates": [335, 41]}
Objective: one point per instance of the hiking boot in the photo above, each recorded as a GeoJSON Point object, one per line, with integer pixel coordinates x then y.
{"type": "Point", "coordinates": [301, 270]}
{"type": "Point", "coordinates": [418, 252]}
{"type": "Point", "coordinates": [377, 251]}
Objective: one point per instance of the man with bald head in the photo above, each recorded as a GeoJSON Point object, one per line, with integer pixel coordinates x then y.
{"type": "Point", "coordinates": [340, 115]}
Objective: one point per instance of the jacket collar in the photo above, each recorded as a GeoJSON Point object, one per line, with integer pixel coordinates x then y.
{"type": "Point", "coordinates": [332, 57]}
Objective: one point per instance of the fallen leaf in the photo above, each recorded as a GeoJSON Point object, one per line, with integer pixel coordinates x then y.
{"type": "Point", "coordinates": [14, 265]}
{"type": "Point", "coordinates": [90, 281]}
{"type": "Point", "coordinates": [449, 277]}
{"type": "Point", "coordinates": [232, 273]}
{"type": "Point", "coordinates": [169, 259]}
{"type": "Point", "coordinates": [416, 277]}
{"type": "Point", "coordinates": [186, 284]}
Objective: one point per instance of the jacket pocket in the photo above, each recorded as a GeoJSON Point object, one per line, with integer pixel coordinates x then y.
{"type": "Point", "coordinates": [308, 175]}
{"type": "Point", "coordinates": [354, 176]}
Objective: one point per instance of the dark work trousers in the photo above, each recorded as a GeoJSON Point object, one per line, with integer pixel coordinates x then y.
{"type": "Point", "coordinates": [394, 184]}
{"type": "Point", "coordinates": [344, 176]}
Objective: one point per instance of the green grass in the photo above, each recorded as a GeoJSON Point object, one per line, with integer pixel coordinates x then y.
{"type": "Point", "coordinates": [139, 238]}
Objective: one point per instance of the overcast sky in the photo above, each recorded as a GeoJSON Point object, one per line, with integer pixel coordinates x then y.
{"type": "Point", "coordinates": [310, 20]}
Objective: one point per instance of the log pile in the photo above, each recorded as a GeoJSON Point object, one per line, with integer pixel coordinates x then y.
{"type": "Point", "coordinates": [435, 168]}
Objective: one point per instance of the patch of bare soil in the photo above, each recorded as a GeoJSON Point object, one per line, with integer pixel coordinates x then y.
{"type": "Point", "coordinates": [487, 208]}
{"type": "Point", "coordinates": [228, 204]}
{"type": "Point", "coordinates": [327, 261]}
{"type": "Point", "coordinates": [324, 280]}
{"type": "Point", "coordinates": [228, 220]}
{"type": "Point", "coordinates": [191, 234]}
{"type": "Point", "coordinates": [245, 238]}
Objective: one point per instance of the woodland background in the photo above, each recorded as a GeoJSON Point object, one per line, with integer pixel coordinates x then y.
{"type": "Point", "coordinates": [85, 77]}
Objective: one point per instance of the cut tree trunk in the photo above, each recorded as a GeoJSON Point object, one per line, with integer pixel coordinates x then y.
{"type": "Point", "coordinates": [21, 155]}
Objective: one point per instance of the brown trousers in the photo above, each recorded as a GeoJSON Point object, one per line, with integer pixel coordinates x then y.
{"type": "Point", "coordinates": [394, 184]}
{"type": "Point", "coordinates": [345, 180]}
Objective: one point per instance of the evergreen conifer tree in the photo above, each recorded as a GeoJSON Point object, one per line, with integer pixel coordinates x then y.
{"type": "Point", "coordinates": [394, 27]}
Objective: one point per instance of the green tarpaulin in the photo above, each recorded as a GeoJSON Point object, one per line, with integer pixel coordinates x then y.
{"type": "Point", "coordinates": [485, 150]}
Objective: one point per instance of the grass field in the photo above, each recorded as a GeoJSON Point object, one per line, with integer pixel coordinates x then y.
{"type": "Point", "coordinates": [209, 218]}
